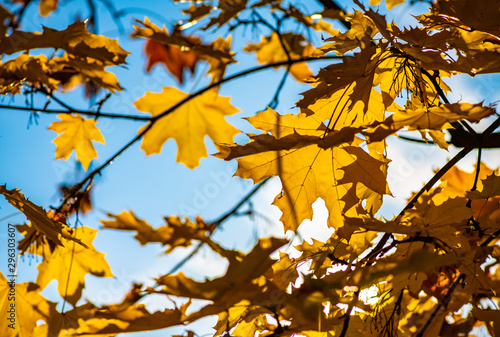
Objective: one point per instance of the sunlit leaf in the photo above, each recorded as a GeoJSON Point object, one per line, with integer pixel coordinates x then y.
{"type": "Point", "coordinates": [76, 133]}
{"type": "Point", "coordinates": [188, 125]}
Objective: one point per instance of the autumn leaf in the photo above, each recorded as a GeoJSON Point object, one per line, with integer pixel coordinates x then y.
{"type": "Point", "coordinates": [153, 32]}
{"type": "Point", "coordinates": [389, 3]}
{"type": "Point", "coordinates": [70, 264]}
{"type": "Point", "coordinates": [271, 50]}
{"type": "Point", "coordinates": [38, 217]}
{"type": "Point", "coordinates": [433, 118]}
{"type": "Point", "coordinates": [174, 59]}
{"type": "Point", "coordinates": [76, 133]}
{"type": "Point", "coordinates": [361, 31]}
{"type": "Point", "coordinates": [218, 65]}
{"type": "Point", "coordinates": [227, 290]}
{"type": "Point", "coordinates": [175, 233]}
{"type": "Point", "coordinates": [24, 68]}
{"type": "Point", "coordinates": [75, 39]}
{"type": "Point", "coordinates": [311, 172]}
{"type": "Point", "coordinates": [229, 9]}
{"type": "Point", "coordinates": [71, 70]}
{"type": "Point", "coordinates": [491, 188]}
{"type": "Point", "coordinates": [47, 6]}
{"type": "Point", "coordinates": [22, 306]}
{"type": "Point", "coordinates": [187, 125]}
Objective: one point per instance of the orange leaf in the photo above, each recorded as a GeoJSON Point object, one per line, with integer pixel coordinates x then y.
{"type": "Point", "coordinates": [174, 59]}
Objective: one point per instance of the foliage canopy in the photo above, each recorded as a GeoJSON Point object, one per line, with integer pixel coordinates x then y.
{"type": "Point", "coordinates": [430, 270]}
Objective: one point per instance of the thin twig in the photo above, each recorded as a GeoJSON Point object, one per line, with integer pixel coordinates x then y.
{"type": "Point", "coordinates": [493, 126]}
{"type": "Point", "coordinates": [442, 303]}
{"type": "Point", "coordinates": [81, 112]}
{"type": "Point", "coordinates": [217, 223]}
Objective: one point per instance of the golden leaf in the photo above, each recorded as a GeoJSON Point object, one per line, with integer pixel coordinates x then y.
{"type": "Point", "coordinates": [188, 125]}
{"type": "Point", "coordinates": [22, 307]}
{"type": "Point", "coordinates": [24, 68]}
{"type": "Point", "coordinates": [340, 175]}
{"type": "Point", "coordinates": [271, 50]}
{"type": "Point", "coordinates": [389, 3]}
{"type": "Point", "coordinates": [70, 264]}
{"type": "Point", "coordinates": [176, 233]}
{"type": "Point", "coordinates": [71, 70]}
{"type": "Point", "coordinates": [47, 6]}
{"type": "Point", "coordinates": [76, 133]}
{"type": "Point", "coordinates": [491, 188]}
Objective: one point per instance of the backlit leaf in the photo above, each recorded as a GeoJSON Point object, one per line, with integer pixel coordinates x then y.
{"type": "Point", "coordinates": [76, 133]}
{"type": "Point", "coordinates": [188, 125]}
{"type": "Point", "coordinates": [70, 264]}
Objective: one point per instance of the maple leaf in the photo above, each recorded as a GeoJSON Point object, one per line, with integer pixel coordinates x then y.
{"type": "Point", "coordinates": [70, 264]}
{"type": "Point", "coordinates": [243, 280]}
{"type": "Point", "coordinates": [491, 188]}
{"type": "Point", "coordinates": [176, 233]}
{"type": "Point", "coordinates": [40, 220]}
{"type": "Point", "coordinates": [76, 133]}
{"type": "Point", "coordinates": [311, 172]}
{"type": "Point", "coordinates": [22, 307]}
{"type": "Point", "coordinates": [173, 57]}
{"type": "Point", "coordinates": [218, 65]}
{"type": "Point", "coordinates": [477, 16]}
{"type": "Point", "coordinates": [188, 124]}
{"type": "Point", "coordinates": [356, 71]}
{"type": "Point", "coordinates": [75, 39]}
{"type": "Point", "coordinates": [153, 32]}
{"type": "Point", "coordinates": [274, 48]}
{"type": "Point", "coordinates": [46, 7]}
{"type": "Point", "coordinates": [433, 118]}
{"type": "Point", "coordinates": [71, 70]}
{"type": "Point", "coordinates": [229, 9]}
{"type": "Point", "coordinates": [361, 32]}
{"type": "Point", "coordinates": [25, 68]}
{"type": "Point", "coordinates": [389, 3]}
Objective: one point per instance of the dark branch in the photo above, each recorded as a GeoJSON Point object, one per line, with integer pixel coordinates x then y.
{"type": "Point", "coordinates": [442, 303]}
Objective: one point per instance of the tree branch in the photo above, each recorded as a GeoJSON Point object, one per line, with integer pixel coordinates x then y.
{"type": "Point", "coordinates": [154, 119]}
{"type": "Point", "coordinates": [217, 223]}
{"type": "Point", "coordinates": [81, 112]}
{"type": "Point", "coordinates": [442, 303]}
{"type": "Point", "coordinates": [380, 245]}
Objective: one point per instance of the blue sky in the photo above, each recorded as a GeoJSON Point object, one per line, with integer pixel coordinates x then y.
{"type": "Point", "coordinates": [156, 186]}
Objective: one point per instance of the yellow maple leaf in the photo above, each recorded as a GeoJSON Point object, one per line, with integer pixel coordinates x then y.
{"type": "Point", "coordinates": [218, 64]}
{"type": "Point", "coordinates": [76, 133]}
{"type": "Point", "coordinates": [22, 307]}
{"type": "Point", "coordinates": [270, 50]}
{"type": "Point", "coordinates": [70, 264]}
{"type": "Point", "coordinates": [188, 125]}
{"type": "Point", "coordinates": [339, 175]}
